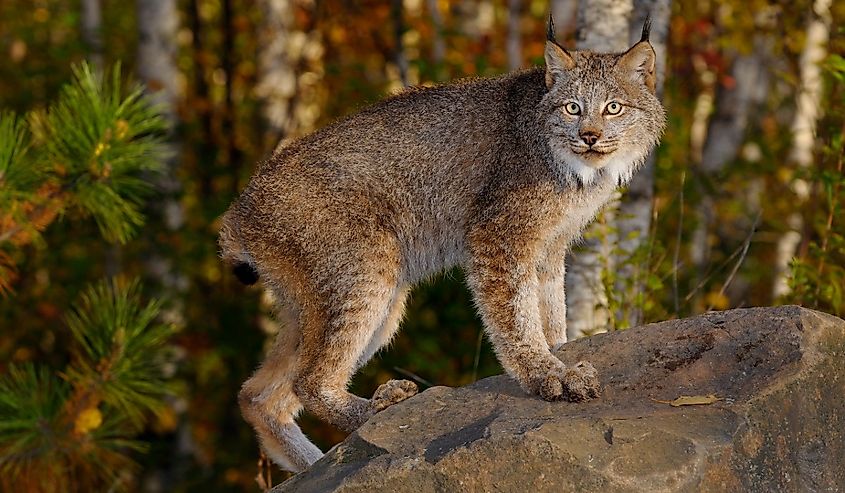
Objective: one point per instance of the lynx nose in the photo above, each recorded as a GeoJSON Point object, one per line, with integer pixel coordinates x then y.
{"type": "Point", "coordinates": [589, 137]}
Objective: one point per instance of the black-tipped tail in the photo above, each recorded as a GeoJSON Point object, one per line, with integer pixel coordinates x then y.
{"type": "Point", "coordinates": [246, 273]}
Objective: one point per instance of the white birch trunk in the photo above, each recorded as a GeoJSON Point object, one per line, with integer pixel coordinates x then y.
{"type": "Point", "coordinates": [807, 114]}
{"type": "Point", "coordinates": [399, 58]}
{"type": "Point", "coordinates": [158, 22]}
{"type": "Point", "coordinates": [438, 45]}
{"type": "Point", "coordinates": [603, 26]}
{"type": "Point", "coordinates": [565, 13]}
{"type": "Point", "coordinates": [633, 220]}
{"type": "Point", "coordinates": [290, 69]}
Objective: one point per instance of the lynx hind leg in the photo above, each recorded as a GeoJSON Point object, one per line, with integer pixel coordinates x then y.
{"type": "Point", "coordinates": [335, 341]}
{"type": "Point", "coordinates": [389, 327]}
{"type": "Point", "coordinates": [392, 391]}
{"type": "Point", "coordinates": [269, 404]}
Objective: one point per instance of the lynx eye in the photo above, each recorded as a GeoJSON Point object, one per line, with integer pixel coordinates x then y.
{"type": "Point", "coordinates": [613, 108]}
{"type": "Point", "coordinates": [572, 108]}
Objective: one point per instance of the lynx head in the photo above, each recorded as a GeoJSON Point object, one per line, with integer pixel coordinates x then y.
{"type": "Point", "coordinates": [600, 112]}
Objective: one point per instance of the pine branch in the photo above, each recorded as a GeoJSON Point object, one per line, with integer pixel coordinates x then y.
{"type": "Point", "coordinates": [104, 143]}
{"type": "Point", "coordinates": [78, 430]}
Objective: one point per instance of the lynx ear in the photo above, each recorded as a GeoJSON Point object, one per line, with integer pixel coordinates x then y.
{"type": "Point", "coordinates": [558, 60]}
{"type": "Point", "coordinates": [638, 63]}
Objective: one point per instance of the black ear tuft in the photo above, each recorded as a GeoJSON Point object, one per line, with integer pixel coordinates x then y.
{"type": "Point", "coordinates": [646, 28]}
{"type": "Point", "coordinates": [550, 35]}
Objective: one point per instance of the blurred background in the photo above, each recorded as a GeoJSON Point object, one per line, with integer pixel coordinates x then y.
{"type": "Point", "coordinates": [127, 128]}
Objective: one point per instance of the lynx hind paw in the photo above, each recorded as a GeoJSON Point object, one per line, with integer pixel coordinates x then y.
{"type": "Point", "coordinates": [575, 384]}
{"type": "Point", "coordinates": [392, 392]}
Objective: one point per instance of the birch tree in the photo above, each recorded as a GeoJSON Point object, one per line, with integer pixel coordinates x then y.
{"type": "Point", "coordinates": [807, 113]}
{"type": "Point", "coordinates": [612, 26]}
{"type": "Point", "coordinates": [514, 40]}
{"type": "Point", "coordinates": [564, 13]}
{"type": "Point", "coordinates": [603, 26]}
{"type": "Point", "coordinates": [726, 132]}
{"type": "Point", "coordinates": [156, 66]}
{"type": "Point", "coordinates": [289, 68]}
{"type": "Point", "coordinates": [91, 31]}
{"type": "Point", "coordinates": [633, 221]}
{"type": "Point", "coordinates": [438, 45]}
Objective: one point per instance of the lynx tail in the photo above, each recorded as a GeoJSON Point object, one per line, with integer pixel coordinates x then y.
{"type": "Point", "coordinates": [246, 273]}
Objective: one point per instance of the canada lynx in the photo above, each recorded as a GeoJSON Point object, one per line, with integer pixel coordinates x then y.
{"type": "Point", "coordinates": [497, 175]}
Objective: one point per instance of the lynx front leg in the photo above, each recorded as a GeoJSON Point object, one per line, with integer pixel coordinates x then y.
{"type": "Point", "coordinates": [551, 271]}
{"type": "Point", "coordinates": [506, 287]}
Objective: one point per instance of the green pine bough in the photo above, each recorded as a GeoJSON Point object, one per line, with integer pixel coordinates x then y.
{"type": "Point", "coordinates": [75, 430]}
{"type": "Point", "coordinates": [89, 154]}
{"type": "Point", "coordinates": [92, 153]}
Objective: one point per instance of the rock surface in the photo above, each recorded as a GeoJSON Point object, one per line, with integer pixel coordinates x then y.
{"type": "Point", "coordinates": [780, 426]}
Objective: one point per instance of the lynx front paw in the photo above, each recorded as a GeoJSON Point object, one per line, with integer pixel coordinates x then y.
{"type": "Point", "coordinates": [392, 392]}
{"type": "Point", "coordinates": [576, 383]}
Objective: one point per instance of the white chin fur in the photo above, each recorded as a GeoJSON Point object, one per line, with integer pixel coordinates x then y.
{"type": "Point", "coordinates": [619, 167]}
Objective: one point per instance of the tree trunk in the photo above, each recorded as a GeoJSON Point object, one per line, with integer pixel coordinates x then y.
{"type": "Point", "coordinates": [514, 41]}
{"type": "Point", "coordinates": [807, 114]}
{"type": "Point", "coordinates": [633, 221]}
{"type": "Point", "coordinates": [92, 31]}
{"type": "Point", "coordinates": [438, 45]}
{"type": "Point", "coordinates": [397, 17]}
{"type": "Point", "coordinates": [289, 69]}
{"type": "Point", "coordinates": [565, 13]}
{"type": "Point", "coordinates": [156, 66]}
{"type": "Point", "coordinates": [603, 27]}
{"type": "Point", "coordinates": [725, 136]}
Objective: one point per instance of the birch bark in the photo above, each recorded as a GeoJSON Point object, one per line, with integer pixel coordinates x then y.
{"type": "Point", "coordinates": [726, 134]}
{"type": "Point", "coordinates": [807, 114]}
{"type": "Point", "coordinates": [633, 220]}
{"type": "Point", "coordinates": [158, 21]}
{"type": "Point", "coordinates": [602, 26]}
{"type": "Point", "coordinates": [92, 20]}
{"type": "Point", "coordinates": [514, 40]}
{"type": "Point", "coordinates": [290, 68]}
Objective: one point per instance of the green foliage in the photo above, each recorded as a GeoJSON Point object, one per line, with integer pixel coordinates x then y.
{"type": "Point", "coordinates": [119, 348]}
{"type": "Point", "coordinates": [76, 433]}
{"type": "Point", "coordinates": [16, 173]}
{"type": "Point", "coordinates": [90, 153]}
{"type": "Point", "coordinates": [818, 273]}
{"type": "Point", "coordinates": [100, 143]}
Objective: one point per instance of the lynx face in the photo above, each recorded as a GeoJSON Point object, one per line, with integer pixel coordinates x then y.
{"type": "Point", "coordinates": [600, 112]}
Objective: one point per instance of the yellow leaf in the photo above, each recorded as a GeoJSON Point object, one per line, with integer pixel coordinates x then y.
{"type": "Point", "coordinates": [717, 300]}
{"type": "Point", "coordinates": [88, 420]}
{"type": "Point", "coordinates": [692, 400]}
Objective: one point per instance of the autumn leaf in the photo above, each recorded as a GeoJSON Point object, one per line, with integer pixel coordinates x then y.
{"type": "Point", "coordinates": [692, 400]}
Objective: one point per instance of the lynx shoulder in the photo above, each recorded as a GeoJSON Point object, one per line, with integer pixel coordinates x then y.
{"type": "Point", "coordinates": [496, 175]}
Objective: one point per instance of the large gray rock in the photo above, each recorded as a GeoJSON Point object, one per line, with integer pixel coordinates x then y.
{"type": "Point", "coordinates": [780, 371]}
